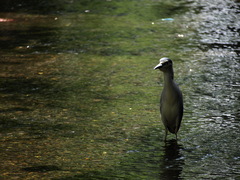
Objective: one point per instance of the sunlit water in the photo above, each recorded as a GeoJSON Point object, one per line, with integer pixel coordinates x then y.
{"type": "Point", "coordinates": [80, 98]}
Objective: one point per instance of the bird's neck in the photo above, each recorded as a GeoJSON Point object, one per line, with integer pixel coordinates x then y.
{"type": "Point", "coordinates": [168, 77]}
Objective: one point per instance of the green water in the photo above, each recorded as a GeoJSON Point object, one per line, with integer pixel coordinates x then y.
{"type": "Point", "coordinates": [80, 98]}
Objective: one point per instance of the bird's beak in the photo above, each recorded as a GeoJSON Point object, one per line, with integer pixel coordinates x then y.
{"type": "Point", "coordinates": [158, 66]}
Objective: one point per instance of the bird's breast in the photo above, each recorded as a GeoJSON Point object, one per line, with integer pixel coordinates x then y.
{"type": "Point", "coordinates": [170, 104]}
{"type": "Point", "coordinates": [170, 111]}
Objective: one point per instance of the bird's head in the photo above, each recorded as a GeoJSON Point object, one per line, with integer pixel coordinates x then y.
{"type": "Point", "coordinates": [164, 64]}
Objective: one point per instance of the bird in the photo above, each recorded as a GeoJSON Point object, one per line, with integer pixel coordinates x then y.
{"type": "Point", "coordinates": [171, 100]}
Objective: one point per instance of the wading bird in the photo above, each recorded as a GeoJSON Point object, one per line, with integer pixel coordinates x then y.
{"type": "Point", "coordinates": [171, 101]}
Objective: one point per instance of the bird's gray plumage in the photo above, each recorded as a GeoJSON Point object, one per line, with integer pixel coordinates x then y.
{"type": "Point", "coordinates": [171, 101]}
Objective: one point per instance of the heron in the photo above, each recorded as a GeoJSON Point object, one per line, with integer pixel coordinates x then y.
{"type": "Point", "coordinates": [171, 101]}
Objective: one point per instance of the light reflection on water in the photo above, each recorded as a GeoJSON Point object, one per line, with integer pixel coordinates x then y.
{"type": "Point", "coordinates": [211, 142]}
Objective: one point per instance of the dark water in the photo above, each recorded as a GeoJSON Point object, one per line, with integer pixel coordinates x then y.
{"type": "Point", "coordinates": [80, 98]}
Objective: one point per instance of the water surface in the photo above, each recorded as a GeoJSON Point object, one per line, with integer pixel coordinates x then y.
{"type": "Point", "coordinates": [80, 98]}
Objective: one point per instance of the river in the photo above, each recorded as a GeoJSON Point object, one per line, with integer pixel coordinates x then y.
{"type": "Point", "coordinates": [80, 98]}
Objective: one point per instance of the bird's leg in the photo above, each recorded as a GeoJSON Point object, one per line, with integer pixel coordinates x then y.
{"type": "Point", "coordinates": [166, 133]}
{"type": "Point", "coordinates": [176, 130]}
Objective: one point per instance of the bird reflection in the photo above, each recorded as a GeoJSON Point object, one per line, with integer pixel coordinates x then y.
{"type": "Point", "coordinates": [173, 161]}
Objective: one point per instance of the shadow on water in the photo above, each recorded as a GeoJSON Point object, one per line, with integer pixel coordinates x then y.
{"type": "Point", "coordinates": [42, 168]}
{"type": "Point", "coordinates": [28, 41]}
{"type": "Point", "coordinates": [32, 6]}
{"type": "Point", "coordinates": [173, 160]}
{"type": "Point", "coordinates": [58, 6]}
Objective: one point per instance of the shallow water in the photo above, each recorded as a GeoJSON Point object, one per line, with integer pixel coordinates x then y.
{"type": "Point", "coordinates": [80, 98]}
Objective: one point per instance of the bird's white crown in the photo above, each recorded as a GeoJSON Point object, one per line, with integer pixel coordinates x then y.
{"type": "Point", "coordinates": [163, 60]}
